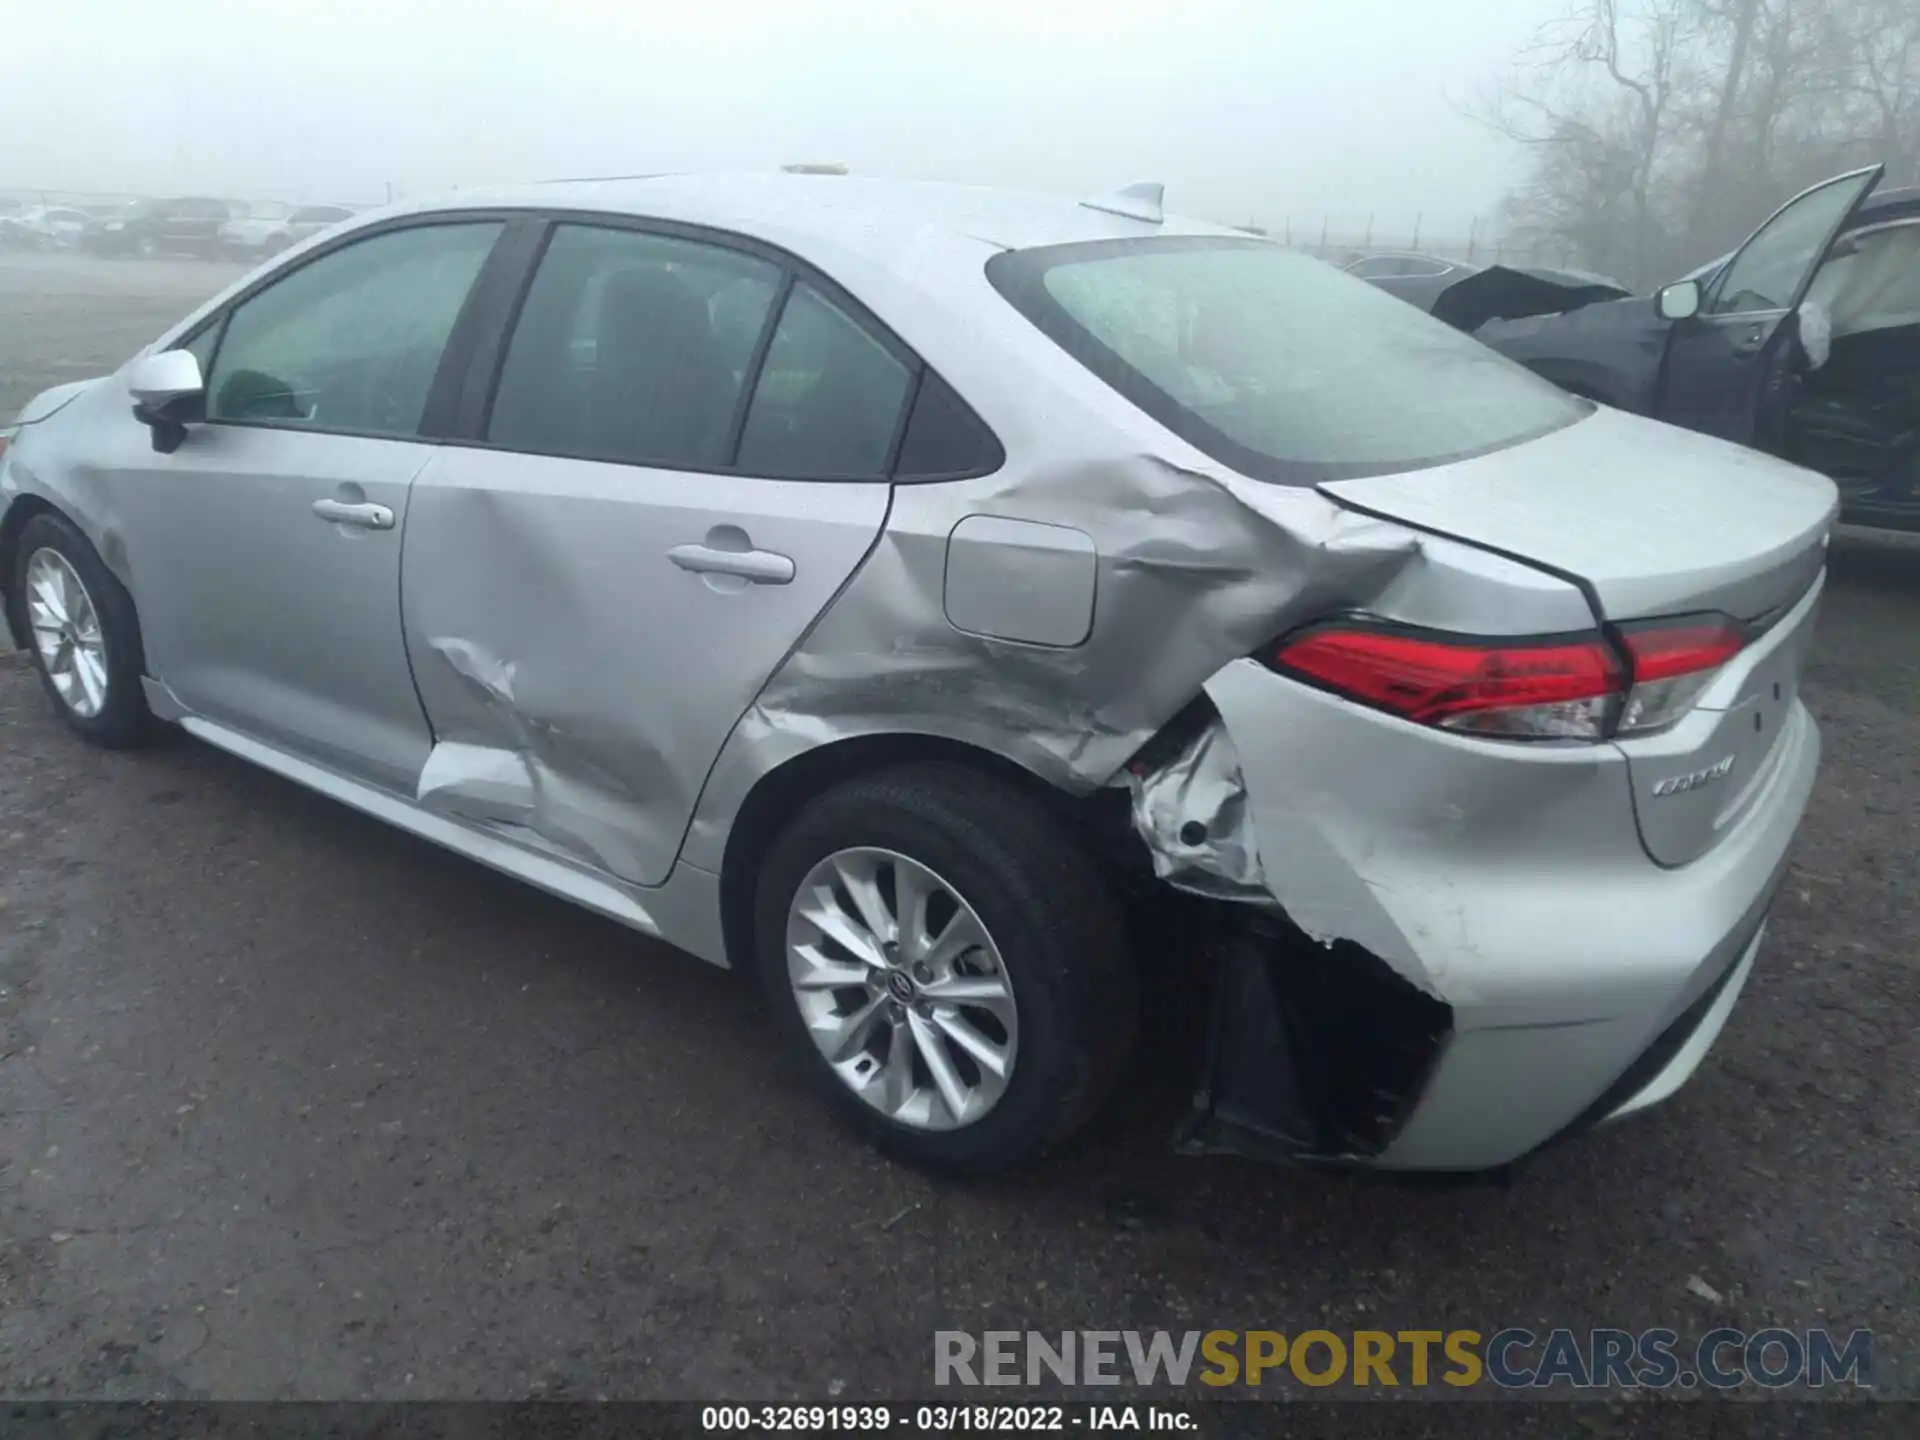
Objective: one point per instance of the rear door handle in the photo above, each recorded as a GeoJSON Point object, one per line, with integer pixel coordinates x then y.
{"type": "Point", "coordinates": [367, 515]}
{"type": "Point", "coordinates": [762, 567]}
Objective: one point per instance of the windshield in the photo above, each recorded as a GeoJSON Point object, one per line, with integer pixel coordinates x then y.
{"type": "Point", "coordinates": [1274, 363]}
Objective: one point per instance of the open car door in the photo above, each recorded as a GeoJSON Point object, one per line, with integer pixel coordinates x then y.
{"type": "Point", "coordinates": [1724, 362]}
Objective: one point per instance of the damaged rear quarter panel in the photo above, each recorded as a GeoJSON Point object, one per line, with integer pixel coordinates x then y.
{"type": "Point", "coordinates": [1189, 574]}
{"type": "Point", "coordinates": [1195, 565]}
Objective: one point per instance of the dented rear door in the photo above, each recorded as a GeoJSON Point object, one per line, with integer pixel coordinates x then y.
{"type": "Point", "coordinates": [684, 458]}
{"type": "Point", "coordinates": [579, 673]}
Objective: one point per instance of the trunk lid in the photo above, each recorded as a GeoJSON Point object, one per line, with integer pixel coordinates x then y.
{"type": "Point", "coordinates": [1653, 520]}
{"type": "Point", "coordinates": [1657, 521]}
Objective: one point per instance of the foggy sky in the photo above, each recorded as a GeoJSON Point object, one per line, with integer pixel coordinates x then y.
{"type": "Point", "coordinates": [1246, 109]}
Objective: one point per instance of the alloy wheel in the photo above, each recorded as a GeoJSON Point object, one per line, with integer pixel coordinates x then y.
{"type": "Point", "coordinates": [66, 632]}
{"type": "Point", "coordinates": [902, 989]}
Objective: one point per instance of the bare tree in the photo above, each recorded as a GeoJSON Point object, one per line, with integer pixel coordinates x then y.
{"type": "Point", "coordinates": [1657, 133]}
{"type": "Point", "coordinates": [1885, 36]}
{"type": "Point", "coordinates": [1731, 22]}
{"type": "Point", "coordinates": [1594, 100]}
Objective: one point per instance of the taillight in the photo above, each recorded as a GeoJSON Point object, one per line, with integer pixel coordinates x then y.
{"type": "Point", "coordinates": [1562, 687]}
{"type": "Point", "coordinates": [1673, 661]}
{"type": "Point", "coordinates": [7, 432]}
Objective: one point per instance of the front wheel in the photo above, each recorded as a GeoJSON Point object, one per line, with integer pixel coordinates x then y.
{"type": "Point", "coordinates": [948, 964]}
{"type": "Point", "coordinates": [85, 639]}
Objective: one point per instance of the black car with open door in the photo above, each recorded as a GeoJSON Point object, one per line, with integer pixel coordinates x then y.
{"type": "Point", "coordinates": [1805, 342]}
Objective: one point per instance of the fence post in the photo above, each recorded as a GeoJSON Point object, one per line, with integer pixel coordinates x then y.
{"type": "Point", "coordinates": [1289, 239]}
{"type": "Point", "coordinates": [1323, 237]}
{"type": "Point", "coordinates": [1473, 234]}
{"type": "Point", "coordinates": [1367, 244]}
{"type": "Point", "coordinates": [1417, 217]}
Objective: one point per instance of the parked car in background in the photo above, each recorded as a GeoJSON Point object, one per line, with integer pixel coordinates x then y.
{"type": "Point", "coordinates": [1415, 278]}
{"type": "Point", "coordinates": [185, 226]}
{"type": "Point", "coordinates": [246, 235]}
{"type": "Point", "coordinates": [1804, 342]}
{"type": "Point", "coordinates": [44, 227]}
{"type": "Point", "coordinates": [878, 585]}
{"type": "Point", "coordinates": [256, 240]}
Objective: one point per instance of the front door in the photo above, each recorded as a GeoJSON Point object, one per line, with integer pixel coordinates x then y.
{"type": "Point", "coordinates": [680, 471]}
{"type": "Point", "coordinates": [1723, 364]}
{"type": "Point", "coordinates": [265, 551]}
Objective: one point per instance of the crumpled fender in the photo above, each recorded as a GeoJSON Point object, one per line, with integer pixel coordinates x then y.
{"type": "Point", "coordinates": [1505, 292]}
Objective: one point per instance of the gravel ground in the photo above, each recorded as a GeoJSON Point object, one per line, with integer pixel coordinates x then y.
{"type": "Point", "coordinates": [292, 1105]}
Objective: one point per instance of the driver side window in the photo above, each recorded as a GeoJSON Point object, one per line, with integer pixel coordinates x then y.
{"type": "Point", "coordinates": [351, 341]}
{"type": "Point", "coordinates": [1767, 272]}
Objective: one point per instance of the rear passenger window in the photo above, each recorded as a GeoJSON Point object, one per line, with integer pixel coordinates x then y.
{"type": "Point", "coordinates": [945, 439]}
{"type": "Point", "coordinates": [829, 398]}
{"type": "Point", "coordinates": [634, 348]}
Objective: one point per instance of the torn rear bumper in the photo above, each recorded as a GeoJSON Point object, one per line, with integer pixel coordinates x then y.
{"type": "Point", "coordinates": [1313, 1053]}
{"type": "Point", "coordinates": [1443, 955]}
{"type": "Point", "coordinates": [1322, 1055]}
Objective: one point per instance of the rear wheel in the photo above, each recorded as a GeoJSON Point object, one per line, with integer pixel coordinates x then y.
{"type": "Point", "coordinates": [948, 964]}
{"type": "Point", "coordinates": [81, 628]}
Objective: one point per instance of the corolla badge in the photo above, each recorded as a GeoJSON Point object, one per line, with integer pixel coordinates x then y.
{"type": "Point", "coordinates": [1693, 779]}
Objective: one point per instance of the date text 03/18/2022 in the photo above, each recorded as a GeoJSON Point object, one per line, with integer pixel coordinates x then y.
{"type": "Point", "coordinates": [944, 1419]}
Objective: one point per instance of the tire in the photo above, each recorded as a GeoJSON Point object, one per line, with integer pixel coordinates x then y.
{"type": "Point", "coordinates": [1045, 908]}
{"type": "Point", "coordinates": [120, 717]}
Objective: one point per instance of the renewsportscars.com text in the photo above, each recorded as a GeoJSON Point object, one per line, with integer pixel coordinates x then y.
{"type": "Point", "coordinates": [1512, 1358]}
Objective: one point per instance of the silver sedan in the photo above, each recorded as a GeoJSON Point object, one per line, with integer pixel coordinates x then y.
{"type": "Point", "coordinates": [897, 589]}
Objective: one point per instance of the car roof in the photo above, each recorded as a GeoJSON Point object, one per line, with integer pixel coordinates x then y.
{"type": "Point", "coordinates": [866, 215]}
{"type": "Point", "coordinates": [913, 251]}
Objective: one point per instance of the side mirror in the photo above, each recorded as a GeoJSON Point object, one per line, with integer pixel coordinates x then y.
{"type": "Point", "coordinates": [169, 394]}
{"type": "Point", "coordinates": [1679, 301]}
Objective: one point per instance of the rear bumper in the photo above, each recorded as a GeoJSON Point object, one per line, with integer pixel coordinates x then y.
{"type": "Point", "coordinates": [1579, 981]}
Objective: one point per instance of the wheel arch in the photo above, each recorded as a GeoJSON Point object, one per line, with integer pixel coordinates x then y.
{"type": "Point", "coordinates": [28, 506]}
{"type": "Point", "coordinates": [784, 791]}
{"type": "Point", "coordinates": [24, 508]}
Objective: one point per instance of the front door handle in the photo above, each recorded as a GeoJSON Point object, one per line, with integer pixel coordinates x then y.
{"type": "Point", "coordinates": [762, 567]}
{"type": "Point", "coordinates": [366, 515]}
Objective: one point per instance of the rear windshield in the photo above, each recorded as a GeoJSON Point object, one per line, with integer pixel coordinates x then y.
{"type": "Point", "coordinates": [1275, 363]}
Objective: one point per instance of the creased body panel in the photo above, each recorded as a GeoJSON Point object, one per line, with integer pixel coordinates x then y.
{"type": "Point", "coordinates": [579, 681]}
{"type": "Point", "coordinates": [1192, 569]}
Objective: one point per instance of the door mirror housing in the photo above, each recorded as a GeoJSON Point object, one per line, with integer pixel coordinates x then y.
{"type": "Point", "coordinates": [169, 393]}
{"type": "Point", "coordinates": [1679, 301]}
